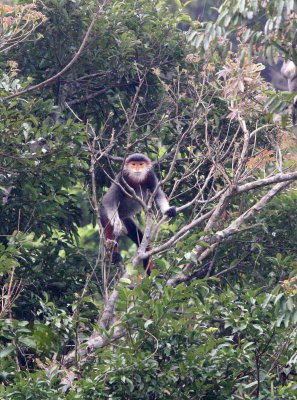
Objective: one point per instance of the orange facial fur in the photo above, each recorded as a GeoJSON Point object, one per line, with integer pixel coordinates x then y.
{"type": "Point", "coordinates": [137, 166]}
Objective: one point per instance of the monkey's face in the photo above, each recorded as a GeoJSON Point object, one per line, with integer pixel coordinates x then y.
{"type": "Point", "coordinates": [137, 170]}
{"type": "Point", "coordinates": [137, 167]}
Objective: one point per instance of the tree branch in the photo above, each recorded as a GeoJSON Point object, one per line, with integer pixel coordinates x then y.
{"type": "Point", "coordinates": [69, 65]}
{"type": "Point", "coordinates": [267, 181]}
{"type": "Point", "coordinates": [201, 253]}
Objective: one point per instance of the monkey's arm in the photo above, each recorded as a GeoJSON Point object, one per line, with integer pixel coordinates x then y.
{"type": "Point", "coordinates": [163, 204]}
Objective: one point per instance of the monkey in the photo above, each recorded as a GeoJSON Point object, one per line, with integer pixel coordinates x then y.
{"type": "Point", "coordinates": [289, 71]}
{"type": "Point", "coordinates": [118, 208]}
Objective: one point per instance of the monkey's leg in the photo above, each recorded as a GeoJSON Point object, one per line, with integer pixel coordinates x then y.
{"type": "Point", "coordinates": [136, 235]}
{"type": "Point", "coordinates": [111, 240]}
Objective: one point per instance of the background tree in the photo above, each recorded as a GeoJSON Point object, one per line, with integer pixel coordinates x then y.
{"type": "Point", "coordinates": [268, 29]}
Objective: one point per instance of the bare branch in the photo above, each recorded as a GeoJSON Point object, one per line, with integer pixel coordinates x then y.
{"type": "Point", "coordinates": [201, 253]}
{"type": "Point", "coordinates": [289, 177]}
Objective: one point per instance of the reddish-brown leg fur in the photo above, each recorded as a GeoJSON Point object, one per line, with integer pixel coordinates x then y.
{"type": "Point", "coordinates": [110, 240]}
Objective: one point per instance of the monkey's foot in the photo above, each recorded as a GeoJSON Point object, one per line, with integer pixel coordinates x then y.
{"type": "Point", "coordinates": [148, 265]}
{"type": "Point", "coordinates": [116, 258]}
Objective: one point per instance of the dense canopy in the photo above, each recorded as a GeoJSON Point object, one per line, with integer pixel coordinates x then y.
{"type": "Point", "coordinates": [85, 83]}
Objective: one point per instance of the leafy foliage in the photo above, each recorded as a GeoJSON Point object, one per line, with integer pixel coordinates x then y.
{"type": "Point", "coordinates": [230, 333]}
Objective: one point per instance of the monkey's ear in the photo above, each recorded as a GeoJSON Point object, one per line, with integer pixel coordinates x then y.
{"type": "Point", "coordinates": [171, 212]}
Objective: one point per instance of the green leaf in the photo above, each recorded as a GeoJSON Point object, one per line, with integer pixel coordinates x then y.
{"type": "Point", "coordinates": [28, 341]}
{"type": "Point", "coordinates": [126, 281]}
{"type": "Point", "coordinates": [7, 350]}
{"type": "Point", "coordinates": [148, 323]}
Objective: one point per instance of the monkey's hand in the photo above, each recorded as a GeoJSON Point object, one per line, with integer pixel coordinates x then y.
{"type": "Point", "coordinates": [171, 212]}
{"type": "Point", "coordinates": [117, 225]}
